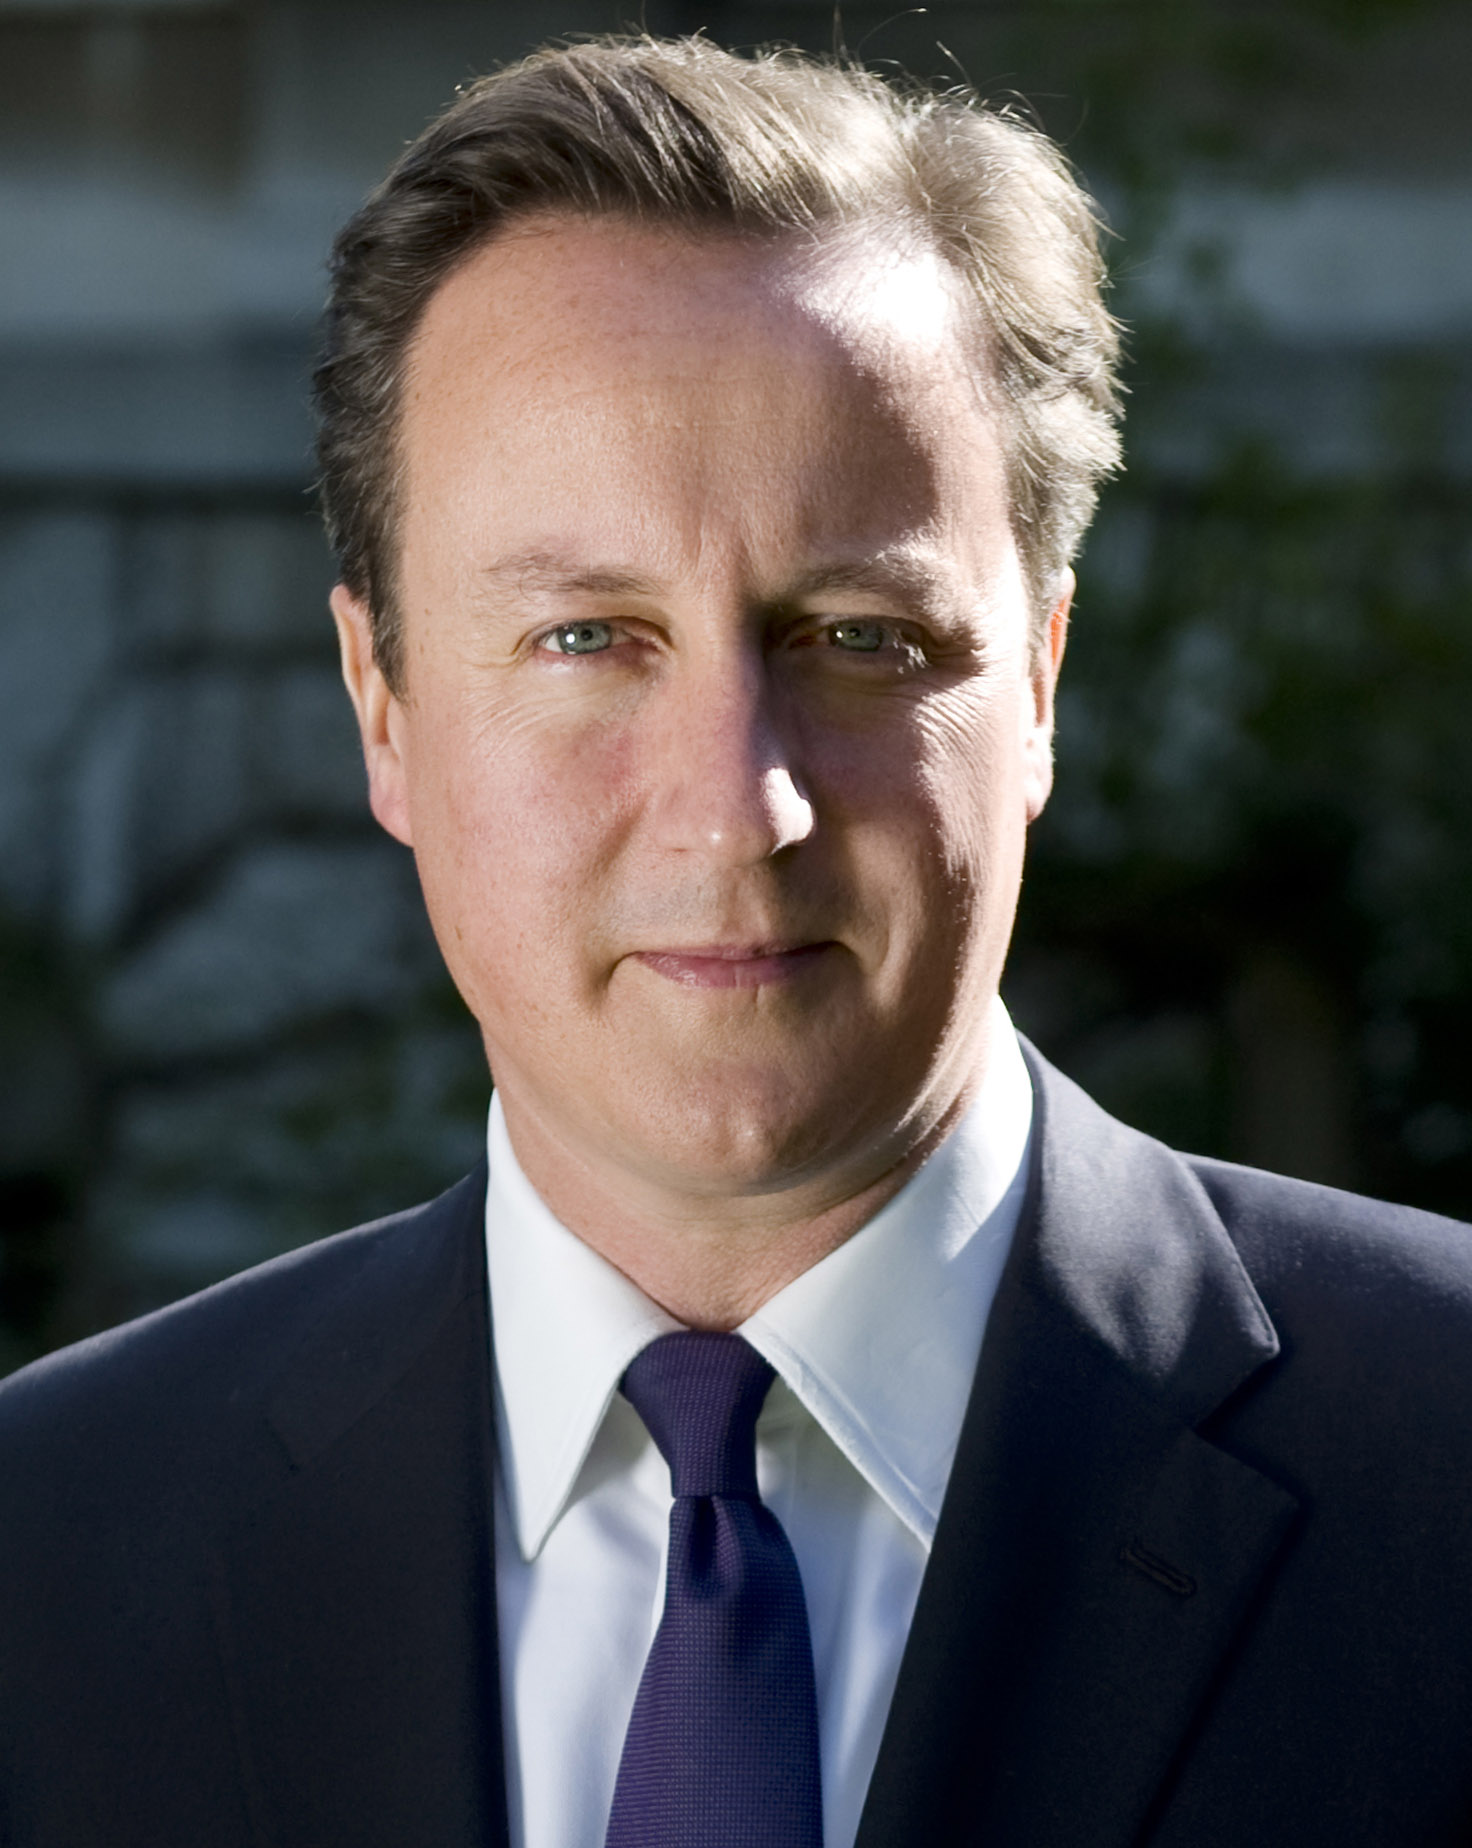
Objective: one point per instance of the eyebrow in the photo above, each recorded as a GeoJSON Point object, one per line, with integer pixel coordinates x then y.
{"type": "Point", "coordinates": [905, 575]}
{"type": "Point", "coordinates": [908, 576]}
{"type": "Point", "coordinates": [547, 574]}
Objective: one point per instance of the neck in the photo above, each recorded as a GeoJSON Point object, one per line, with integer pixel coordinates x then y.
{"type": "Point", "coordinates": [711, 1262]}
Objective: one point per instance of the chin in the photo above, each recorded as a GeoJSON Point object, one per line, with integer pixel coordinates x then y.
{"type": "Point", "coordinates": [734, 1134]}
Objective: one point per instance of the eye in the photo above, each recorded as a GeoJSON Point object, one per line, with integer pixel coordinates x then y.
{"type": "Point", "coordinates": [858, 637]}
{"type": "Point", "coordinates": [579, 638]}
{"type": "Point", "coordinates": [878, 640]}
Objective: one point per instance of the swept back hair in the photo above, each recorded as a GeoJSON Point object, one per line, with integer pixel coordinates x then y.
{"type": "Point", "coordinates": [682, 134]}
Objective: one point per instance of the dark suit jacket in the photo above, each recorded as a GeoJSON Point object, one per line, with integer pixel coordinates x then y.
{"type": "Point", "coordinates": [1203, 1578]}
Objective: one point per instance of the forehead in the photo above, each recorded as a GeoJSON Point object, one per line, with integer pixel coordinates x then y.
{"type": "Point", "coordinates": [590, 361]}
{"type": "Point", "coordinates": [612, 279]}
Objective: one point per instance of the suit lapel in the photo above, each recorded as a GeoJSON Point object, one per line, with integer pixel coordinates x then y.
{"type": "Point", "coordinates": [356, 1600]}
{"type": "Point", "coordinates": [1096, 1555]}
{"type": "Point", "coordinates": [1095, 1559]}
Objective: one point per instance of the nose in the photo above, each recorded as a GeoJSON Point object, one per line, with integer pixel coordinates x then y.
{"type": "Point", "coordinates": [725, 782]}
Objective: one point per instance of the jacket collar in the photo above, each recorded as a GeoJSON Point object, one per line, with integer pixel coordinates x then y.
{"type": "Point", "coordinates": [1096, 1554]}
{"type": "Point", "coordinates": [1127, 1246]}
{"type": "Point", "coordinates": [354, 1601]}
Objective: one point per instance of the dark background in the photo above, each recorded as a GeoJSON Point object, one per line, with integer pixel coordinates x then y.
{"type": "Point", "coordinates": [1247, 923]}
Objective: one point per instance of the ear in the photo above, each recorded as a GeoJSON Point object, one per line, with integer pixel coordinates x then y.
{"type": "Point", "coordinates": [1046, 661]}
{"type": "Point", "coordinates": [382, 721]}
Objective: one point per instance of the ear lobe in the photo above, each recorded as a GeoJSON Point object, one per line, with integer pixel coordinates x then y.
{"type": "Point", "coordinates": [380, 712]}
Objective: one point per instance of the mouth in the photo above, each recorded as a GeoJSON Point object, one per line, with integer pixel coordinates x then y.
{"type": "Point", "coordinates": [731, 965]}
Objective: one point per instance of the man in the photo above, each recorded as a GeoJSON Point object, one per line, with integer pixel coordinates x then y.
{"type": "Point", "coordinates": [705, 442]}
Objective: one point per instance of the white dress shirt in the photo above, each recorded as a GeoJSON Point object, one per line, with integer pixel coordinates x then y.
{"type": "Point", "coordinates": [874, 1349]}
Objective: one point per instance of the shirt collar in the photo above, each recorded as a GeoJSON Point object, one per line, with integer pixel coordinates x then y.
{"type": "Point", "coordinates": [878, 1341]}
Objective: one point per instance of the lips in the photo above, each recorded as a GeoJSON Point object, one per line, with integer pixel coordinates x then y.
{"type": "Point", "coordinates": [734, 965]}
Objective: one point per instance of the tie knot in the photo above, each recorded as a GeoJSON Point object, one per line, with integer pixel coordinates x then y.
{"type": "Point", "coordinates": [699, 1396]}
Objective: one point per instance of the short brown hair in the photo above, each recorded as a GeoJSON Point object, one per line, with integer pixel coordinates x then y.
{"type": "Point", "coordinates": [681, 133]}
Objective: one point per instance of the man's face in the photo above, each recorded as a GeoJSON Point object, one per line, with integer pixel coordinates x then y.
{"type": "Point", "coordinates": [719, 731]}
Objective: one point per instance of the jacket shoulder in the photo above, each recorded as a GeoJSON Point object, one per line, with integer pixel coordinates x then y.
{"type": "Point", "coordinates": [1372, 1306]}
{"type": "Point", "coordinates": [1297, 1234]}
{"type": "Point", "coordinates": [159, 1397]}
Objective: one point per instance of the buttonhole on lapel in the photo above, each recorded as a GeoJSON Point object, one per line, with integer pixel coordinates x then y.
{"type": "Point", "coordinates": [1158, 1569]}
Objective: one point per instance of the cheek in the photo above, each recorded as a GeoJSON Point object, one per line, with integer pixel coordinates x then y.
{"type": "Point", "coordinates": [926, 816]}
{"type": "Point", "coordinates": [963, 829]}
{"type": "Point", "coordinates": [949, 783]}
{"type": "Point", "coordinates": [515, 823]}
{"type": "Point", "coordinates": [974, 747]}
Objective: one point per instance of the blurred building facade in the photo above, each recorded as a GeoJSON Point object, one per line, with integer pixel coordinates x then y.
{"type": "Point", "coordinates": [224, 1028]}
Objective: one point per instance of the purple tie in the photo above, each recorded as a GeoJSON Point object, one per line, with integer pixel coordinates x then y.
{"type": "Point", "coordinates": [722, 1746]}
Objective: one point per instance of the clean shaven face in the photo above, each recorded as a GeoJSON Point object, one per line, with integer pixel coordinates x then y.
{"type": "Point", "coordinates": [720, 731]}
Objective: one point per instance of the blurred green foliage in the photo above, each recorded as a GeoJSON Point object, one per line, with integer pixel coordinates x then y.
{"type": "Point", "coordinates": [1259, 852]}
{"type": "Point", "coordinates": [1247, 919]}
